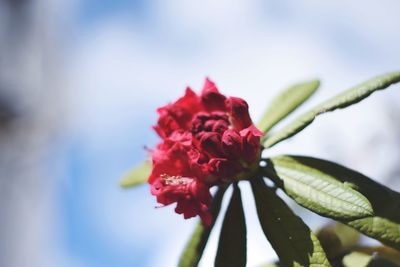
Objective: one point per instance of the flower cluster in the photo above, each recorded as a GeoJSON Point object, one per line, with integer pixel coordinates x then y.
{"type": "Point", "coordinates": [207, 140]}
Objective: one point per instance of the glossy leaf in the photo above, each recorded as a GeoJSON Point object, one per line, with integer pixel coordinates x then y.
{"type": "Point", "coordinates": [345, 99]}
{"type": "Point", "coordinates": [319, 191]}
{"type": "Point", "coordinates": [383, 226]}
{"type": "Point", "coordinates": [286, 102]}
{"type": "Point", "coordinates": [290, 237]}
{"type": "Point", "coordinates": [380, 219]}
{"type": "Point", "coordinates": [137, 176]}
{"type": "Point", "coordinates": [195, 247]}
{"type": "Point", "coordinates": [232, 241]}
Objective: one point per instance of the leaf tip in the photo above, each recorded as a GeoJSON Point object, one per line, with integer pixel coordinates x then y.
{"type": "Point", "coordinates": [315, 84]}
{"type": "Point", "coordinates": [123, 183]}
{"type": "Point", "coordinates": [126, 183]}
{"type": "Point", "coordinates": [137, 176]}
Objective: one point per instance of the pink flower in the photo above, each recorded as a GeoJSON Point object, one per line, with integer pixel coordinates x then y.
{"type": "Point", "coordinates": [207, 140]}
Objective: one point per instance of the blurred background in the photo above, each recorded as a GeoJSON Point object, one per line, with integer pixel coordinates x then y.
{"type": "Point", "coordinates": [80, 82]}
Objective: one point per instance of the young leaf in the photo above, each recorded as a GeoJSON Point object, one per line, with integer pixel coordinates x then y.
{"type": "Point", "coordinates": [349, 237]}
{"type": "Point", "coordinates": [195, 247]}
{"type": "Point", "coordinates": [319, 191]}
{"type": "Point", "coordinates": [313, 182]}
{"type": "Point", "coordinates": [337, 239]}
{"type": "Point", "coordinates": [232, 241]}
{"type": "Point", "coordinates": [287, 102]}
{"type": "Point", "coordinates": [345, 99]}
{"type": "Point", "coordinates": [137, 176]}
{"type": "Point", "coordinates": [292, 240]}
{"type": "Point", "coordinates": [356, 259]}
{"type": "Point", "coordinates": [385, 252]}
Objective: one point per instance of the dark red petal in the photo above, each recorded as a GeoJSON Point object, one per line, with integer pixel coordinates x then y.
{"type": "Point", "coordinates": [189, 101]}
{"type": "Point", "coordinates": [201, 192]}
{"type": "Point", "coordinates": [224, 168]}
{"type": "Point", "coordinates": [166, 123]}
{"type": "Point", "coordinates": [178, 114]}
{"type": "Point", "coordinates": [168, 194]}
{"type": "Point", "coordinates": [251, 143]}
{"type": "Point", "coordinates": [253, 130]}
{"type": "Point", "coordinates": [211, 98]}
{"type": "Point", "coordinates": [210, 144]}
{"type": "Point", "coordinates": [239, 111]}
{"type": "Point", "coordinates": [187, 208]}
{"type": "Point", "coordinates": [232, 143]}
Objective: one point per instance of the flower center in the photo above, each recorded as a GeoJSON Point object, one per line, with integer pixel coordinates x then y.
{"type": "Point", "coordinates": [210, 122]}
{"type": "Point", "coordinates": [174, 180]}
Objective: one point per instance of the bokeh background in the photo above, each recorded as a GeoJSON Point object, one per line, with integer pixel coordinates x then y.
{"type": "Point", "coordinates": [80, 81]}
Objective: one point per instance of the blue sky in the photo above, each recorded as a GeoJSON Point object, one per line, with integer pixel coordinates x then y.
{"type": "Point", "coordinates": [129, 57]}
{"type": "Point", "coordinates": [93, 11]}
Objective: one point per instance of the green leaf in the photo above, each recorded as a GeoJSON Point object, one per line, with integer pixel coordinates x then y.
{"type": "Point", "coordinates": [195, 247]}
{"type": "Point", "coordinates": [292, 240]}
{"type": "Point", "coordinates": [356, 259]}
{"type": "Point", "coordinates": [137, 176]}
{"type": "Point", "coordinates": [349, 237]}
{"type": "Point", "coordinates": [313, 183]}
{"type": "Point", "coordinates": [232, 240]}
{"type": "Point", "coordinates": [286, 102]}
{"type": "Point", "coordinates": [383, 226]}
{"type": "Point", "coordinates": [345, 99]}
{"type": "Point", "coordinates": [319, 191]}
{"type": "Point", "coordinates": [384, 252]}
